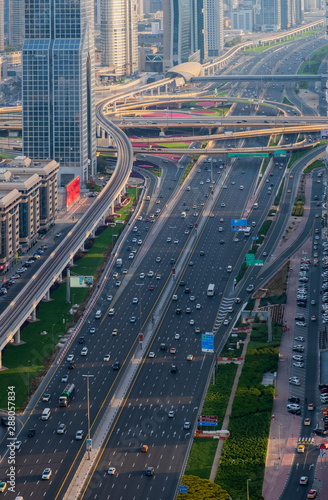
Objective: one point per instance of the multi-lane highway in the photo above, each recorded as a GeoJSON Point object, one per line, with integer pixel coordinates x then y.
{"type": "Point", "coordinates": [156, 390]}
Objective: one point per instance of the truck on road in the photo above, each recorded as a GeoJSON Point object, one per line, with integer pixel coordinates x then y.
{"type": "Point", "coordinates": [66, 395]}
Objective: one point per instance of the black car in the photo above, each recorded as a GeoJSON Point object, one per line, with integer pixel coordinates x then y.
{"type": "Point", "coordinates": [5, 421]}
{"type": "Point", "coordinates": [178, 311]}
{"type": "Point", "coordinates": [81, 340]}
{"type": "Point", "coordinates": [174, 368]}
{"type": "Point", "coordinates": [116, 366]}
{"type": "Point", "coordinates": [150, 471]}
{"type": "Point", "coordinates": [293, 411]}
{"type": "Point", "coordinates": [293, 399]}
{"type": "Point", "coordinates": [31, 433]}
{"type": "Point", "coordinates": [321, 432]}
{"type": "Point", "coordinates": [187, 289]}
{"type": "Point", "coordinates": [72, 365]}
{"type": "Point", "coordinates": [163, 347]}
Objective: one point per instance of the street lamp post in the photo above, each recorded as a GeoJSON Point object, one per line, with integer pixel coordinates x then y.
{"type": "Point", "coordinates": [88, 405]}
{"type": "Point", "coordinates": [139, 290]}
{"type": "Point", "coordinates": [52, 333]}
{"type": "Point", "coordinates": [247, 489]}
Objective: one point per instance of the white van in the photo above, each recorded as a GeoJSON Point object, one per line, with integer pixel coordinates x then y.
{"type": "Point", "coordinates": [183, 215]}
{"type": "Point", "coordinates": [46, 414]}
{"type": "Point", "coordinates": [98, 314]}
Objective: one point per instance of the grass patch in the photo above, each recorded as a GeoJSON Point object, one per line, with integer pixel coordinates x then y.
{"type": "Point", "coordinates": [242, 271]}
{"type": "Point", "coordinates": [265, 227]}
{"type": "Point", "coordinates": [174, 145]}
{"type": "Point", "coordinates": [296, 155]}
{"type": "Point", "coordinates": [203, 450]}
{"type": "Point", "coordinates": [250, 305]}
{"type": "Point", "coordinates": [244, 453]}
{"type": "Point", "coordinates": [287, 101]}
{"type": "Point", "coordinates": [275, 140]}
{"type": "Point", "coordinates": [274, 299]}
{"type": "Point", "coordinates": [278, 197]}
{"type": "Point", "coordinates": [27, 363]}
{"type": "Point", "coordinates": [278, 283]}
{"type": "Point", "coordinates": [315, 164]}
{"type": "Point", "coordinates": [311, 66]}
{"type": "Point", "coordinates": [304, 85]}
{"type": "Point", "coordinates": [186, 172]}
{"type": "Point", "coordinates": [156, 171]}
{"type": "Point", "coordinates": [202, 489]}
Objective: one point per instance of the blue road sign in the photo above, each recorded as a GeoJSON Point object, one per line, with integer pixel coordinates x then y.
{"type": "Point", "coordinates": [254, 238]}
{"type": "Point", "coordinates": [207, 342]}
{"type": "Point", "coordinates": [213, 424]}
{"type": "Point", "coordinates": [183, 489]}
{"type": "Point", "coordinates": [238, 224]}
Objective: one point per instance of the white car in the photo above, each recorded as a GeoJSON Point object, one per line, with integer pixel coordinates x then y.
{"type": "Point", "coordinates": [132, 319]}
{"type": "Point", "coordinates": [226, 322]}
{"type": "Point", "coordinates": [168, 240]}
{"type": "Point", "coordinates": [46, 473]}
{"type": "Point", "coordinates": [109, 298]}
{"type": "Point", "coordinates": [79, 435]}
{"type": "Point", "coordinates": [107, 357]}
{"type": "Point", "coordinates": [175, 297]}
{"type": "Point", "coordinates": [192, 298]}
{"type": "Point", "coordinates": [177, 336]}
{"type": "Point", "coordinates": [150, 274]}
{"type": "Point", "coordinates": [131, 256]}
{"type": "Point", "coordinates": [198, 306]}
{"type": "Point", "coordinates": [84, 351]}
{"type": "Point", "coordinates": [151, 354]}
{"type": "Point", "coordinates": [139, 242]}
{"type": "Point", "coordinates": [298, 364]}
{"type": "Point", "coordinates": [111, 312]}
{"type": "Point", "coordinates": [192, 322]}
{"type": "Point", "coordinates": [171, 414]}
{"type": "Point", "coordinates": [135, 300]}
{"type": "Point", "coordinates": [118, 283]}
{"type": "Point", "coordinates": [141, 276]}
{"type": "Point", "coordinates": [112, 471]}
{"type": "Point", "coordinates": [70, 357]}
{"type": "Point", "coordinates": [176, 241]}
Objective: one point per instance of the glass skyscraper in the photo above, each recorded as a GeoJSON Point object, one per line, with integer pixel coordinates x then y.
{"type": "Point", "coordinates": [59, 86]}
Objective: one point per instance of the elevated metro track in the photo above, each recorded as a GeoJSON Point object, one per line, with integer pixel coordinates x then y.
{"type": "Point", "coordinates": [263, 78]}
{"type": "Point", "coordinates": [27, 300]}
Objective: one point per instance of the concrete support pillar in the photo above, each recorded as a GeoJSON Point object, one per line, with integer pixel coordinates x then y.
{"type": "Point", "coordinates": [114, 107]}
{"type": "Point", "coordinates": [159, 90]}
{"type": "Point", "coordinates": [17, 338]}
{"type": "Point", "coordinates": [112, 207]}
{"type": "Point", "coordinates": [179, 105]}
{"type": "Point", "coordinates": [60, 276]}
{"type": "Point", "coordinates": [124, 100]}
{"type": "Point", "coordinates": [118, 200]}
{"type": "Point", "coordinates": [98, 131]}
{"type": "Point", "coordinates": [151, 92]}
{"type": "Point", "coordinates": [47, 295]}
{"type": "Point", "coordinates": [34, 314]}
{"type": "Point", "coordinates": [162, 132]}
{"type": "Point", "coordinates": [82, 247]}
{"type": "Point", "coordinates": [71, 262]}
{"type": "Point", "coordinates": [166, 88]}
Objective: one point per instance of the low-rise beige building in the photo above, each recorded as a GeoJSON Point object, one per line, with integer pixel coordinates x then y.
{"type": "Point", "coordinates": [28, 200]}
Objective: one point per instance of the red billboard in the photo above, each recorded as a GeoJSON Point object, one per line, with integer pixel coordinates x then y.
{"type": "Point", "coordinates": [72, 191]}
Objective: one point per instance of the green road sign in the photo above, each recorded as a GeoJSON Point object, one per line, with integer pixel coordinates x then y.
{"type": "Point", "coordinates": [250, 259]}
{"type": "Point", "coordinates": [258, 263]}
{"type": "Point", "coordinates": [279, 154]}
{"type": "Point", "coordinates": [248, 155]}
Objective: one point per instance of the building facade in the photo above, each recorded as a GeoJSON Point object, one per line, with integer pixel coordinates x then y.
{"type": "Point", "coordinates": [119, 36]}
{"type": "Point", "coordinates": [270, 15]}
{"type": "Point", "coordinates": [242, 19]}
{"type": "Point", "coordinates": [59, 86]}
{"type": "Point", "coordinates": [16, 22]}
{"type": "Point", "coordinates": [286, 14]}
{"type": "Point", "coordinates": [215, 25]}
{"type": "Point", "coordinates": [2, 27]}
{"type": "Point", "coordinates": [28, 200]}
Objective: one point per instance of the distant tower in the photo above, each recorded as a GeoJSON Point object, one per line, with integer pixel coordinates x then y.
{"type": "Point", "coordinates": [119, 36]}
{"type": "Point", "coordinates": [16, 21]}
{"type": "Point", "coordinates": [215, 27]}
{"type": "Point", "coordinates": [270, 15]}
{"type": "Point", "coordinates": [59, 86]}
{"type": "Point", "coordinates": [2, 33]}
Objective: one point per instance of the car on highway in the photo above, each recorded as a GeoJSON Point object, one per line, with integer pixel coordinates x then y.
{"type": "Point", "coordinates": [311, 407]}
{"type": "Point", "coordinates": [173, 350]}
{"type": "Point", "coordinates": [64, 378]}
{"type": "Point", "coordinates": [312, 494]}
{"type": "Point", "coordinates": [150, 471]}
{"type": "Point", "coordinates": [186, 425]}
{"type": "Point", "coordinates": [116, 366]}
{"type": "Point", "coordinates": [135, 300]}
{"type": "Point", "coordinates": [300, 339]}
{"type": "Point", "coordinates": [111, 471]}
{"type": "Point", "coordinates": [307, 421]}
{"type": "Point", "coordinates": [190, 357]}
{"type": "Point", "coordinates": [250, 288]}
{"type": "Point", "coordinates": [151, 288]}
{"type": "Point", "coordinates": [46, 474]}
{"type": "Point", "coordinates": [304, 480]}
{"type": "Point", "coordinates": [70, 357]}
{"type": "Point", "coordinates": [114, 331]}
{"type": "Point", "coordinates": [61, 429]}
{"type": "Point", "coordinates": [79, 435]}
{"type": "Point", "coordinates": [294, 381]}
{"type": "Point", "coordinates": [133, 319]}
{"type": "Point", "coordinates": [171, 414]}
{"type": "Point", "coordinates": [109, 298]}
{"type": "Point", "coordinates": [3, 486]}
{"type": "Point", "coordinates": [300, 323]}
{"type": "Point", "coordinates": [46, 397]}
{"type": "Point", "coordinates": [18, 445]}
{"type": "Point", "coordinates": [177, 336]}
{"type": "Point", "coordinates": [300, 448]}
{"type": "Point", "coordinates": [84, 351]}
{"type": "Point", "coordinates": [151, 354]}
{"type": "Point", "coordinates": [111, 312]}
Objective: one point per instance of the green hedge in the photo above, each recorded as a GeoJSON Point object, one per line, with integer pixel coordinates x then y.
{"type": "Point", "coordinates": [244, 453]}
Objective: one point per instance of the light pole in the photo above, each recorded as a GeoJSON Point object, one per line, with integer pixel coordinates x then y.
{"type": "Point", "coordinates": [88, 405]}
{"type": "Point", "coordinates": [279, 441]}
{"type": "Point", "coordinates": [139, 289]}
{"type": "Point", "coordinates": [247, 489]}
{"type": "Point", "coordinates": [28, 377]}
{"type": "Point", "coordinates": [52, 332]}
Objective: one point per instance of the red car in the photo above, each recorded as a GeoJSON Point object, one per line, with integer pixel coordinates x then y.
{"type": "Point", "coordinates": [151, 288]}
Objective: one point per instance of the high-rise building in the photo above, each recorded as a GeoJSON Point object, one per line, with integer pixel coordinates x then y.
{"type": "Point", "coordinates": [58, 86]}
{"type": "Point", "coordinates": [270, 15]}
{"type": "Point", "coordinates": [199, 29]}
{"type": "Point", "coordinates": [119, 36]}
{"type": "Point", "coordinates": [177, 32]}
{"type": "Point", "coordinates": [286, 14]}
{"type": "Point", "coordinates": [242, 19]}
{"type": "Point", "coordinates": [298, 6]}
{"type": "Point", "coordinates": [215, 27]}
{"type": "Point", "coordinates": [16, 18]}
{"type": "Point", "coordinates": [2, 24]}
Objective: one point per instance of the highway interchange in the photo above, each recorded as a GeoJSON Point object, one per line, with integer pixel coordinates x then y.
{"type": "Point", "coordinates": [156, 390]}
